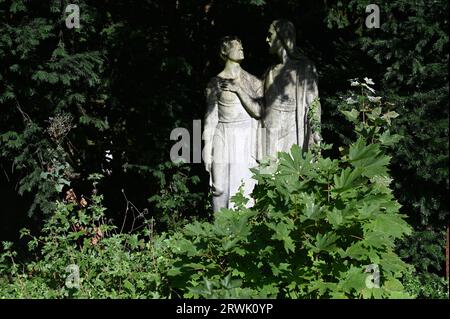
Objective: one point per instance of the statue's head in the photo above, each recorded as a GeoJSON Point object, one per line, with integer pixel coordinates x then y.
{"type": "Point", "coordinates": [231, 49]}
{"type": "Point", "coordinates": [281, 35]}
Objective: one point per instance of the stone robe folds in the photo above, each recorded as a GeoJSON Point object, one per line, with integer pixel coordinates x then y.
{"type": "Point", "coordinates": [290, 89]}
{"type": "Point", "coordinates": [230, 135]}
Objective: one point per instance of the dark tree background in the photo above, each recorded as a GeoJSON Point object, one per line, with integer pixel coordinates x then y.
{"type": "Point", "coordinates": [137, 69]}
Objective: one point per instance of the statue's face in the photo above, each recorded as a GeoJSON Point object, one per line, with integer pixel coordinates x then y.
{"type": "Point", "coordinates": [273, 41]}
{"type": "Point", "coordinates": [235, 51]}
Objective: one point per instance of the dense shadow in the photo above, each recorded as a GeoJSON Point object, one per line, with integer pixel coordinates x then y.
{"type": "Point", "coordinates": [158, 59]}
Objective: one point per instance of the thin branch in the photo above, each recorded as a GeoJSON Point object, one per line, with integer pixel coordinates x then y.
{"type": "Point", "coordinates": [126, 211]}
{"type": "Point", "coordinates": [24, 114]}
{"type": "Point", "coordinates": [7, 177]}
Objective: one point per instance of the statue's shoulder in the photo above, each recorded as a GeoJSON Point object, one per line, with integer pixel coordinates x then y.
{"type": "Point", "coordinates": [213, 83]}
{"type": "Point", "coordinates": [214, 80]}
{"type": "Point", "coordinates": [248, 75]}
{"type": "Point", "coordinates": [306, 64]}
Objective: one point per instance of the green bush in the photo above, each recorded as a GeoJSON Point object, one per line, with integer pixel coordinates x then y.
{"type": "Point", "coordinates": [316, 226]}
{"type": "Point", "coordinates": [426, 286]}
{"type": "Point", "coordinates": [427, 252]}
{"type": "Point", "coordinates": [320, 228]}
{"type": "Point", "coordinates": [111, 264]}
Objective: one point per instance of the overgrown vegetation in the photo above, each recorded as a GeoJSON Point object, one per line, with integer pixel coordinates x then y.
{"type": "Point", "coordinates": [317, 225]}
{"type": "Point", "coordinates": [104, 98]}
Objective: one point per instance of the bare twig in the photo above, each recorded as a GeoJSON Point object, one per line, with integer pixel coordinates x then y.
{"type": "Point", "coordinates": [126, 211]}
{"type": "Point", "coordinates": [24, 114]}
{"type": "Point", "coordinates": [7, 177]}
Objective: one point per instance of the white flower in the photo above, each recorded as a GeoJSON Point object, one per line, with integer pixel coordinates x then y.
{"type": "Point", "coordinates": [369, 81]}
{"type": "Point", "coordinates": [350, 100]}
{"type": "Point", "coordinates": [368, 87]}
{"type": "Point", "coordinates": [374, 98]}
{"type": "Point", "coordinates": [354, 83]}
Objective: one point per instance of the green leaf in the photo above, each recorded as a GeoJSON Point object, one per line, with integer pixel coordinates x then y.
{"type": "Point", "coordinates": [228, 244]}
{"type": "Point", "coordinates": [389, 115]}
{"type": "Point", "coordinates": [357, 251]}
{"type": "Point", "coordinates": [282, 231]}
{"type": "Point", "coordinates": [377, 239]}
{"type": "Point", "coordinates": [352, 115]}
{"type": "Point", "coordinates": [128, 285]}
{"type": "Point", "coordinates": [346, 180]}
{"type": "Point", "coordinates": [174, 271]}
{"type": "Point", "coordinates": [195, 266]}
{"type": "Point", "coordinates": [185, 246]}
{"type": "Point", "coordinates": [279, 268]}
{"type": "Point", "coordinates": [368, 158]}
{"type": "Point", "coordinates": [390, 224]}
{"type": "Point", "coordinates": [325, 242]}
{"type": "Point", "coordinates": [354, 280]}
{"type": "Point", "coordinates": [312, 210]}
{"type": "Point", "coordinates": [393, 284]}
{"type": "Point", "coordinates": [375, 114]}
{"type": "Point", "coordinates": [387, 139]}
{"type": "Point", "coordinates": [335, 217]}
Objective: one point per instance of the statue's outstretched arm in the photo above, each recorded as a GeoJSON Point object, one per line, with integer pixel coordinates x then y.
{"type": "Point", "coordinates": [250, 92]}
{"type": "Point", "coordinates": [211, 121]}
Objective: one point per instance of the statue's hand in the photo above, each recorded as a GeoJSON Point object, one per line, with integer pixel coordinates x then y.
{"type": "Point", "coordinates": [208, 166]}
{"type": "Point", "coordinates": [230, 85]}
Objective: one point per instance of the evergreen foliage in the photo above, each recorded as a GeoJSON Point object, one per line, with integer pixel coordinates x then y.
{"type": "Point", "coordinates": [103, 99]}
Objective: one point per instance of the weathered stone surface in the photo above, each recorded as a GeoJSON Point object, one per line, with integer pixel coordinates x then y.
{"type": "Point", "coordinates": [248, 118]}
{"type": "Point", "coordinates": [231, 127]}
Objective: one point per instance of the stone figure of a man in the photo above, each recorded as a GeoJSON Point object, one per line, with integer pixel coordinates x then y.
{"type": "Point", "coordinates": [231, 124]}
{"type": "Point", "coordinates": [290, 90]}
{"type": "Point", "coordinates": [290, 87]}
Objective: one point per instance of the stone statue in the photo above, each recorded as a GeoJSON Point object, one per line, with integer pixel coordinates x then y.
{"type": "Point", "coordinates": [290, 88]}
{"type": "Point", "coordinates": [231, 126]}
{"type": "Point", "coordinates": [287, 102]}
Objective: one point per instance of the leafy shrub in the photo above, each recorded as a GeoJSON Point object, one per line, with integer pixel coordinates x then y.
{"type": "Point", "coordinates": [316, 226]}
{"type": "Point", "coordinates": [426, 286]}
{"type": "Point", "coordinates": [110, 264]}
{"type": "Point", "coordinates": [44, 174]}
{"type": "Point", "coordinates": [409, 52]}
{"type": "Point", "coordinates": [174, 201]}
{"type": "Point", "coordinates": [320, 228]}
{"type": "Point", "coordinates": [427, 252]}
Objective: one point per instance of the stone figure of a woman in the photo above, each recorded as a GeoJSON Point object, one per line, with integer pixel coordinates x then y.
{"type": "Point", "coordinates": [231, 125]}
